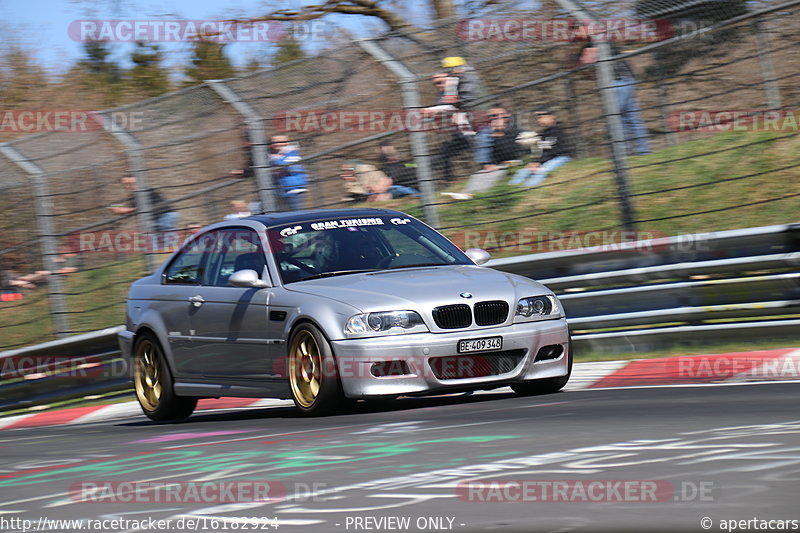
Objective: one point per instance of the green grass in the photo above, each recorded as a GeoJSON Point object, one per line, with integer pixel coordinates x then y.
{"type": "Point", "coordinates": [550, 206]}
{"type": "Point", "coordinates": [94, 300]}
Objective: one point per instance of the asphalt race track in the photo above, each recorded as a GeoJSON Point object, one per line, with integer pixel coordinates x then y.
{"type": "Point", "coordinates": [717, 452]}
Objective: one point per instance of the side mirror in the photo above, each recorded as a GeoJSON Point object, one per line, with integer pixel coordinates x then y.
{"type": "Point", "coordinates": [478, 256]}
{"type": "Point", "coordinates": [247, 278]}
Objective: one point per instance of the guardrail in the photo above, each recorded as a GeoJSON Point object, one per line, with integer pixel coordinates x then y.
{"type": "Point", "coordinates": [64, 369]}
{"type": "Point", "coordinates": [693, 248]}
{"type": "Point", "coordinates": [748, 278]}
{"type": "Point", "coordinates": [700, 288]}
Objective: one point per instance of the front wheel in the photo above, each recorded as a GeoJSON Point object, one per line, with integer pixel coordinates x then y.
{"type": "Point", "coordinates": [313, 377]}
{"type": "Point", "coordinates": [547, 385]}
{"type": "Point", "coordinates": [152, 382]}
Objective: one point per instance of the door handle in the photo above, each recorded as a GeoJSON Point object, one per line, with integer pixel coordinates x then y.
{"type": "Point", "coordinates": [196, 301]}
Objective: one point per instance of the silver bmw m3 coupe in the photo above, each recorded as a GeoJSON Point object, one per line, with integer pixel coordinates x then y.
{"type": "Point", "coordinates": [330, 306]}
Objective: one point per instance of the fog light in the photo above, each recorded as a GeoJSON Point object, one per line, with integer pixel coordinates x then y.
{"type": "Point", "coordinates": [552, 351]}
{"type": "Point", "coordinates": [383, 369]}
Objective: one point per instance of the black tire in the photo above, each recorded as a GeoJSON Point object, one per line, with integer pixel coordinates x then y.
{"type": "Point", "coordinates": [547, 385]}
{"type": "Point", "coordinates": [153, 384]}
{"type": "Point", "coordinates": [313, 376]}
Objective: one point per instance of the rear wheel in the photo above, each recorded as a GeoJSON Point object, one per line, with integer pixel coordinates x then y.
{"type": "Point", "coordinates": [313, 376]}
{"type": "Point", "coordinates": [547, 385]}
{"type": "Point", "coordinates": [152, 382]}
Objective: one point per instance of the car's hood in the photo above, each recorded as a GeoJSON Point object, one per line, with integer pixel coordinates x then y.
{"type": "Point", "coordinates": [421, 288]}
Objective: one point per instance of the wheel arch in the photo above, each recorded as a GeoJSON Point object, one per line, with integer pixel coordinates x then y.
{"type": "Point", "coordinates": [163, 343]}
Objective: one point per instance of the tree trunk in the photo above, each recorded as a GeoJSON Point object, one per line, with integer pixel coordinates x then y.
{"type": "Point", "coordinates": [443, 9]}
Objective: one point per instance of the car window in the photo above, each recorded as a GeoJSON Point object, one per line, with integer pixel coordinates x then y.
{"type": "Point", "coordinates": [409, 245]}
{"type": "Point", "coordinates": [322, 248]}
{"type": "Point", "coordinates": [189, 265]}
{"type": "Point", "coordinates": [235, 249]}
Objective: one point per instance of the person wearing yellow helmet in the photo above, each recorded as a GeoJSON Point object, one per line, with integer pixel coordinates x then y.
{"type": "Point", "coordinates": [462, 82]}
{"type": "Point", "coordinates": [453, 61]}
{"type": "Point", "coordinates": [458, 88]}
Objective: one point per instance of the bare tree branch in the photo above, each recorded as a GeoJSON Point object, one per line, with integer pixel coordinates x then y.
{"type": "Point", "coordinates": [370, 8]}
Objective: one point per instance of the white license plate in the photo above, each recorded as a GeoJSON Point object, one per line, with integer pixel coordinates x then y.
{"type": "Point", "coordinates": [486, 344]}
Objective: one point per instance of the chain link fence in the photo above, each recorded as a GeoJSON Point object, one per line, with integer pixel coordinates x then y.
{"type": "Point", "coordinates": [70, 243]}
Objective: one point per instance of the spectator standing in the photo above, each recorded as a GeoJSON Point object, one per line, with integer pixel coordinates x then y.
{"type": "Point", "coordinates": [458, 88]}
{"type": "Point", "coordinates": [290, 174]}
{"type": "Point", "coordinates": [247, 152]}
{"type": "Point", "coordinates": [462, 85]}
{"type": "Point", "coordinates": [625, 89]}
{"type": "Point", "coordinates": [555, 151]}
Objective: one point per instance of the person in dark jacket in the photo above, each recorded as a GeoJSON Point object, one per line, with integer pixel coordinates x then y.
{"type": "Point", "coordinates": [162, 215]}
{"type": "Point", "coordinates": [404, 178]}
{"type": "Point", "coordinates": [458, 88]}
{"type": "Point", "coordinates": [555, 151]}
{"type": "Point", "coordinates": [497, 142]}
{"type": "Point", "coordinates": [247, 151]}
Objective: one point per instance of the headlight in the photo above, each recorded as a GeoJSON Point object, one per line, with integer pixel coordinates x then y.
{"type": "Point", "coordinates": [385, 322]}
{"type": "Point", "coordinates": [538, 306]}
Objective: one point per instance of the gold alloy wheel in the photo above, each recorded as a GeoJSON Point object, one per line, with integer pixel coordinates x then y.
{"type": "Point", "coordinates": [305, 368]}
{"type": "Point", "coordinates": [147, 375]}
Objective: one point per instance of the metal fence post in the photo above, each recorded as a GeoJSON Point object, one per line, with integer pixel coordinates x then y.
{"type": "Point", "coordinates": [772, 93]}
{"type": "Point", "coordinates": [44, 216]}
{"type": "Point", "coordinates": [419, 143]}
{"type": "Point", "coordinates": [663, 102]}
{"type": "Point", "coordinates": [605, 82]}
{"type": "Point", "coordinates": [137, 169]}
{"type": "Point", "coordinates": [619, 154]}
{"type": "Point", "coordinates": [258, 142]}
{"type": "Point", "coordinates": [574, 118]}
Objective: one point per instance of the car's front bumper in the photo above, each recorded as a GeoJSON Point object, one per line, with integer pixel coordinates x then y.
{"type": "Point", "coordinates": [355, 357]}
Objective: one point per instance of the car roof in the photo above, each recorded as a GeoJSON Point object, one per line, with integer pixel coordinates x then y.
{"type": "Point", "coordinates": [305, 215]}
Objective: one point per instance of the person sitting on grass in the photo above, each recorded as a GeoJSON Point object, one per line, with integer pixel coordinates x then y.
{"type": "Point", "coordinates": [363, 182]}
{"type": "Point", "coordinates": [497, 149]}
{"type": "Point", "coordinates": [555, 150]}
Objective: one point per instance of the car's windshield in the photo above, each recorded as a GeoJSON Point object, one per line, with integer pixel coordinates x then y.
{"type": "Point", "coordinates": [340, 246]}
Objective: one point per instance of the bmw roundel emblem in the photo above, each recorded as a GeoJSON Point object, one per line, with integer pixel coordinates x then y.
{"type": "Point", "coordinates": [466, 295]}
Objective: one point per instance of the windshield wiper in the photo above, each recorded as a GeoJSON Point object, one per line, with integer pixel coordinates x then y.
{"type": "Point", "coordinates": [336, 273]}
{"type": "Point", "coordinates": [419, 265]}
